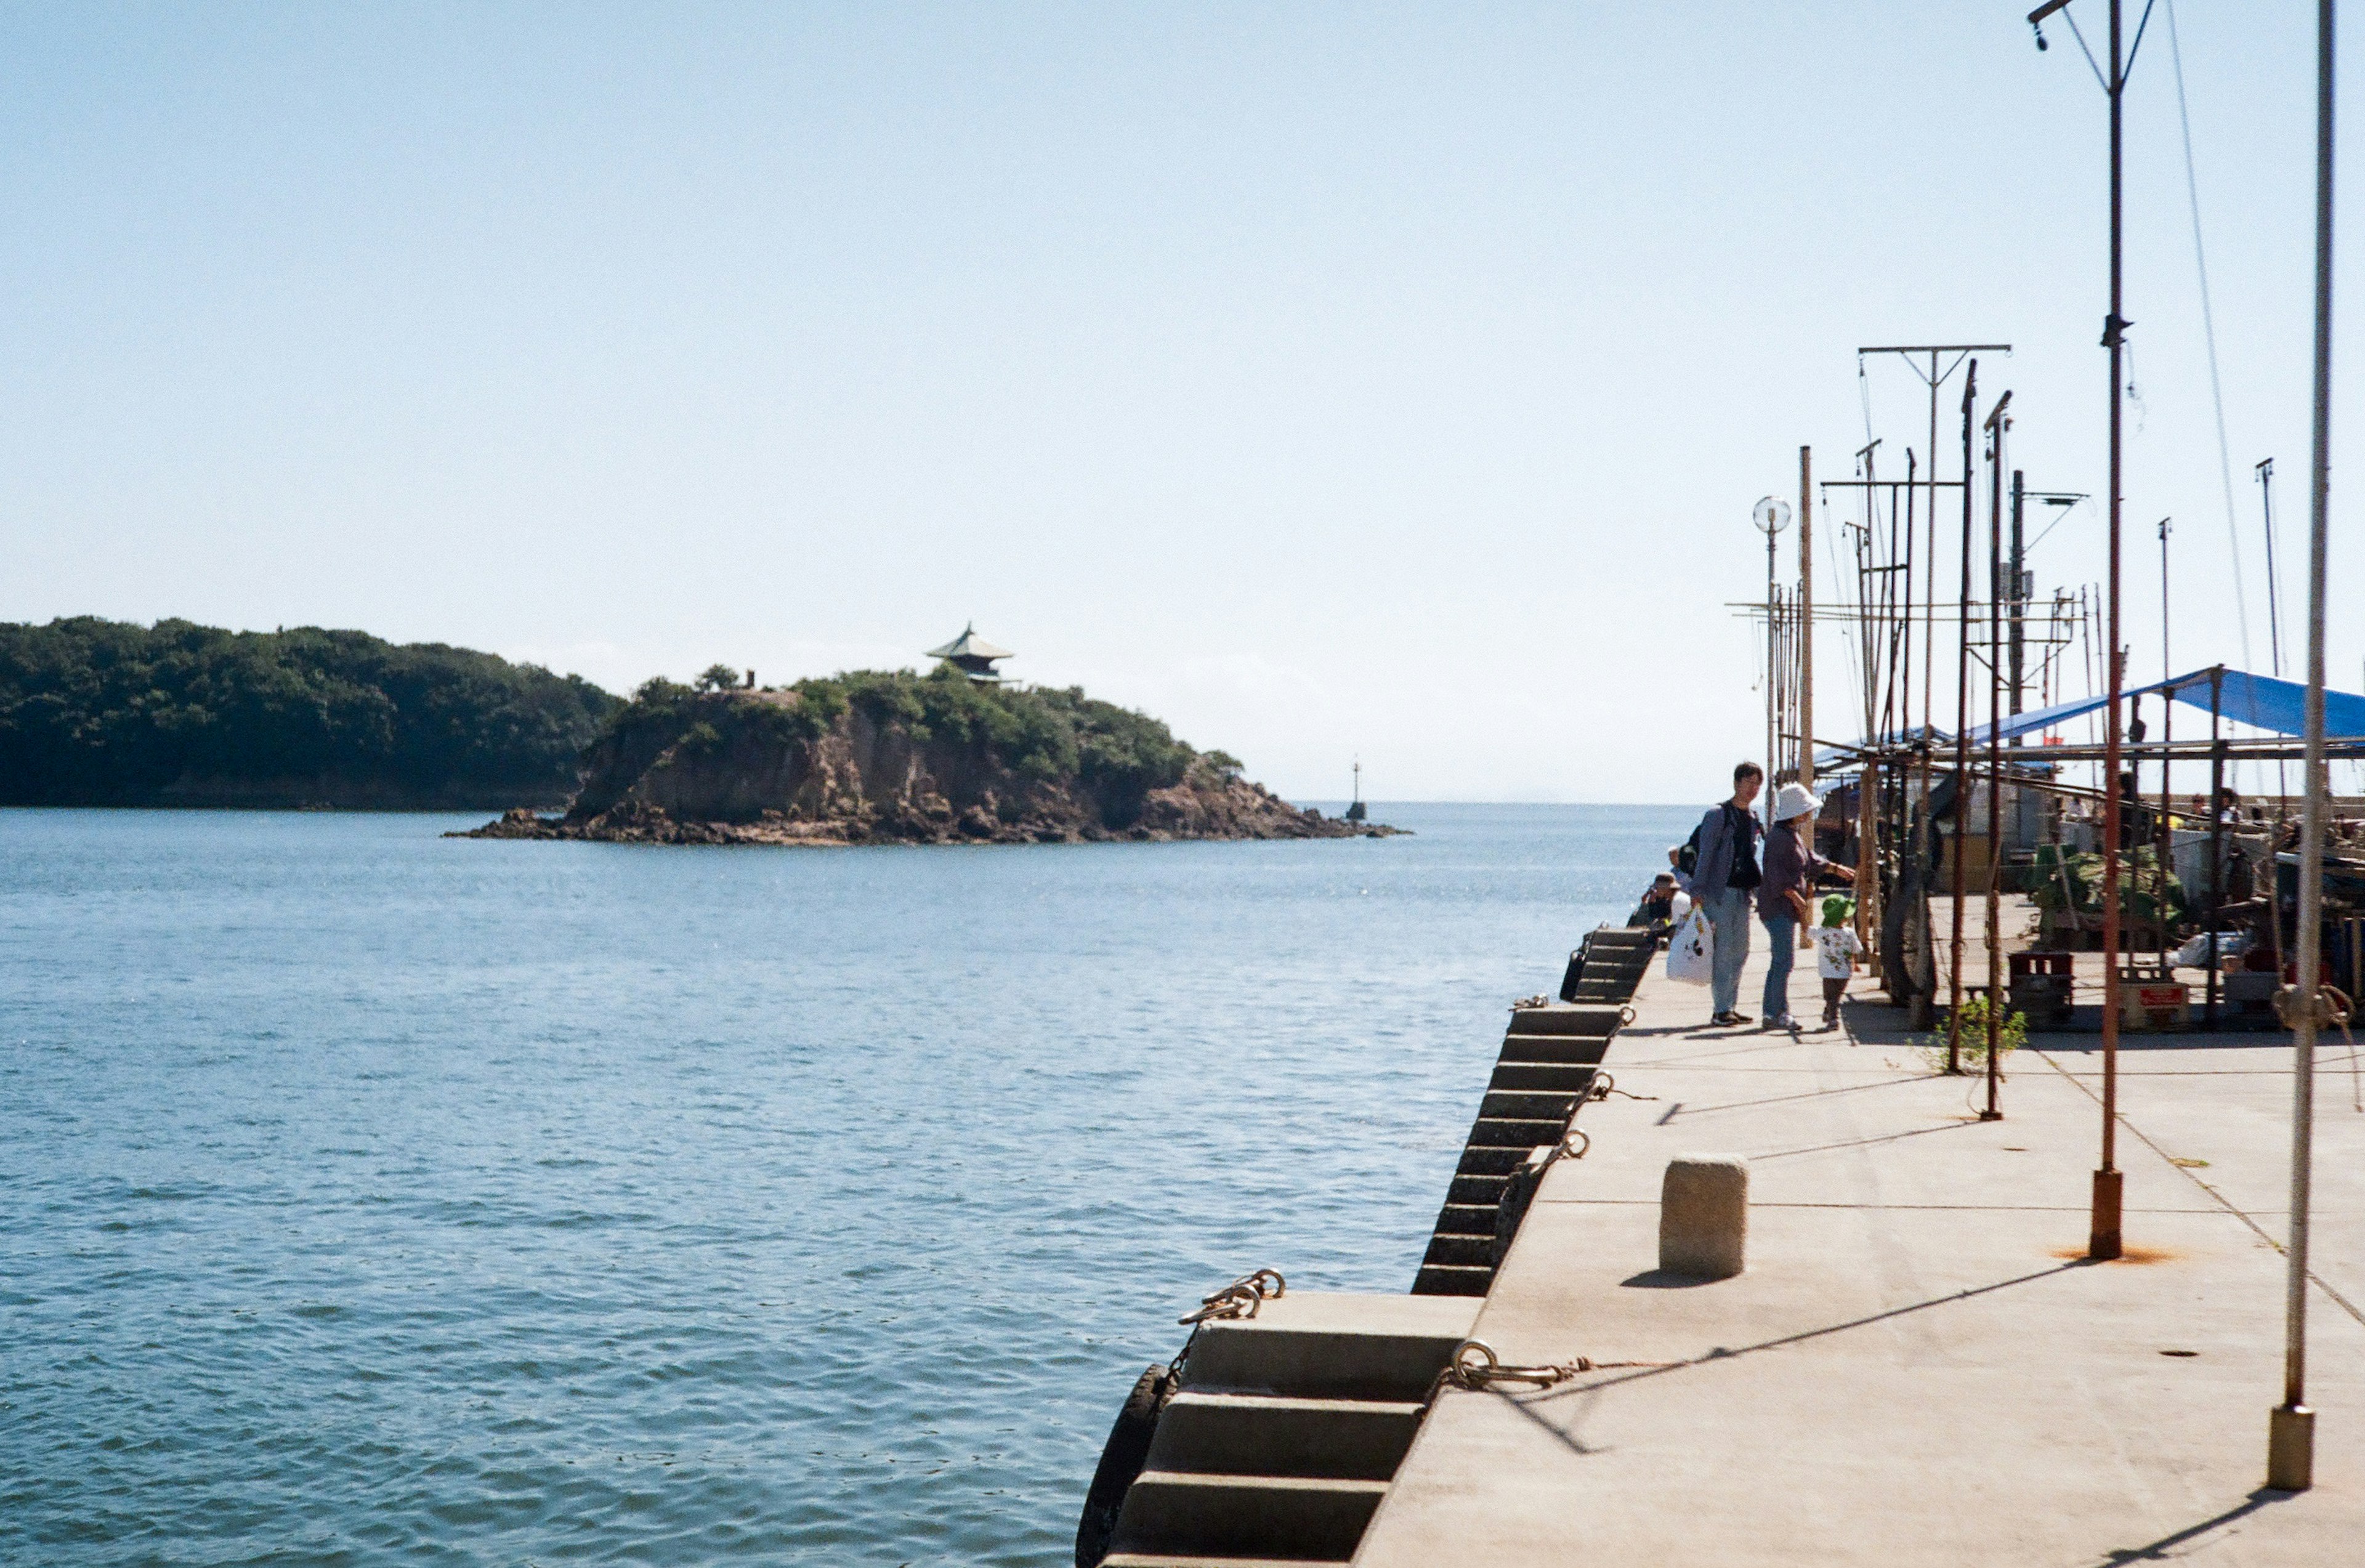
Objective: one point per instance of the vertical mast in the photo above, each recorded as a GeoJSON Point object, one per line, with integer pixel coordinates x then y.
{"type": "Point", "coordinates": [1962, 745]}
{"type": "Point", "coordinates": [2019, 591]}
{"type": "Point", "coordinates": [2291, 1439]}
{"type": "Point", "coordinates": [2103, 1240]}
{"type": "Point", "coordinates": [1997, 426]}
{"type": "Point", "coordinates": [1806, 618]}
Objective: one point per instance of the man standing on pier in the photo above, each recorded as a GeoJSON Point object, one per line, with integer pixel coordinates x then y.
{"type": "Point", "coordinates": [1720, 882]}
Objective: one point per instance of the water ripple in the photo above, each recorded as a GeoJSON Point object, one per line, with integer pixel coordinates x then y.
{"type": "Point", "coordinates": [367, 1198]}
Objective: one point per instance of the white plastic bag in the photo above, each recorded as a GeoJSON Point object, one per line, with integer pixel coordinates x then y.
{"type": "Point", "coordinates": [1691, 952]}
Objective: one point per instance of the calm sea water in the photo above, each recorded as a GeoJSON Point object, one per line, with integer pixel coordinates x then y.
{"type": "Point", "coordinates": [368, 1197]}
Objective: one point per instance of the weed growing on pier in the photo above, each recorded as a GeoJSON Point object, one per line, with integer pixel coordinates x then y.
{"type": "Point", "coordinates": [1973, 1055]}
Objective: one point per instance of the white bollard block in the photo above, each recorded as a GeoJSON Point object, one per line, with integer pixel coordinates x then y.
{"type": "Point", "coordinates": [1704, 1216]}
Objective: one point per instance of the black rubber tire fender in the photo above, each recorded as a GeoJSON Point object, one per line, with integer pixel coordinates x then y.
{"type": "Point", "coordinates": [1122, 1457]}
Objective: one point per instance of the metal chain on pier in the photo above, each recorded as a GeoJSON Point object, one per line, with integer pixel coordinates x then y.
{"type": "Point", "coordinates": [1604, 1086]}
{"type": "Point", "coordinates": [2333, 1009]}
{"type": "Point", "coordinates": [1561, 1151]}
{"type": "Point", "coordinates": [1239, 1299]}
{"type": "Point", "coordinates": [1476, 1367]}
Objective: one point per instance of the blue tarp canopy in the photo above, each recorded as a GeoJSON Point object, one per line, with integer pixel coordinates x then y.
{"type": "Point", "coordinates": [2260, 701]}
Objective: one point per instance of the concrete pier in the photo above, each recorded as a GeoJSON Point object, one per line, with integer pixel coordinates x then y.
{"type": "Point", "coordinates": [1918, 1366]}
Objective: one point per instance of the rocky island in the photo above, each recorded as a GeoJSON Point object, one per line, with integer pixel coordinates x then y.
{"type": "Point", "coordinates": [893, 757]}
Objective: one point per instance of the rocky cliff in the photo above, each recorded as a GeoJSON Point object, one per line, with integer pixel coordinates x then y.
{"type": "Point", "coordinates": [897, 758]}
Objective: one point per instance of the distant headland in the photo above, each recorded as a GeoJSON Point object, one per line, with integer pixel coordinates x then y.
{"type": "Point", "coordinates": [887, 756]}
{"type": "Point", "coordinates": [110, 713]}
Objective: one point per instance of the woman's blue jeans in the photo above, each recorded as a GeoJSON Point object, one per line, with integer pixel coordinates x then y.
{"type": "Point", "coordinates": [1782, 931]}
{"type": "Point", "coordinates": [1728, 917]}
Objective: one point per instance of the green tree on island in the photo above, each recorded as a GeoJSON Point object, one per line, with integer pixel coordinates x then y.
{"type": "Point", "coordinates": [103, 712]}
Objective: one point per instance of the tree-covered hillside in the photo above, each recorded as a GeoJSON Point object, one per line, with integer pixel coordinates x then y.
{"type": "Point", "coordinates": [1110, 756]}
{"type": "Point", "coordinates": [103, 712]}
{"type": "Point", "coordinates": [886, 756]}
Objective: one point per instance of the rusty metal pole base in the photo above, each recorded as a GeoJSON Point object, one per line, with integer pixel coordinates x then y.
{"type": "Point", "coordinates": [2291, 1448]}
{"type": "Point", "coordinates": [1992, 1115]}
{"type": "Point", "coordinates": [2102, 1244]}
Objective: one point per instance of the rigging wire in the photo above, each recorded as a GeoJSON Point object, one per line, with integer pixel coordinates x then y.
{"type": "Point", "coordinates": [2209, 333]}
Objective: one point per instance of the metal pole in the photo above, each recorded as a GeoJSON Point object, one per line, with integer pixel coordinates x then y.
{"type": "Point", "coordinates": [1772, 722]}
{"type": "Point", "coordinates": [2266, 472]}
{"type": "Point", "coordinates": [1925, 839]}
{"type": "Point", "coordinates": [2165, 850]}
{"type": "Point", "coordinates": [2104, 1239]}
{"type": "Point", "coordinates": [1907, 837]}
{"type": "Point", "coordinates": [2291, 1431]}
{"type": "Point", "coordinates": [1930, 609]}
{"type": "Point", "coordinates": [1806, 618]}
{"type": "Point", "coordinates": [2163, 830]}
{"type": "Point", "coordinates": [1905, 627]}
{"type": "Point", "coordinates": [1962, 743]}
{"type": "Point", "coordinates": [2216, 833]}
{"type": "Point", "coordinates": [1999, 425]}
{"type": "Point", "coordinates": [2019, 593]}
{"type": "Point", "coordinates": [1930, 593]}
{"type": "Point", "coordinates": [1868, 859]}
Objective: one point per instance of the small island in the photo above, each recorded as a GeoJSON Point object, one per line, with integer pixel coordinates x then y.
{"type": "Point", "coordinates": [958, 755]}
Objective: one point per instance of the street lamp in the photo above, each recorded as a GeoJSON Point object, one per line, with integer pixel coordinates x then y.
{"type": "Point", "coordinates": [2103, 1238]}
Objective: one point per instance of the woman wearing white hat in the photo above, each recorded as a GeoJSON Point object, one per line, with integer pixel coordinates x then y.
{"type": "Point", "coordinates": [1790, 864]}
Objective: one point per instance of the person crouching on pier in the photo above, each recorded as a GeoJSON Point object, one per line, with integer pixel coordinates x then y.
{"type": "Point", "coordinates": [1790, 867]}
{"type": "Point", "coordinates": [1719, 883]}
{"type": "Point", "coordinates": [1655, 913]}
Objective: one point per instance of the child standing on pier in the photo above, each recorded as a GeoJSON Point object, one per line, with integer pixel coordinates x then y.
{"type": "Point", "coordinates": [1836, 950]}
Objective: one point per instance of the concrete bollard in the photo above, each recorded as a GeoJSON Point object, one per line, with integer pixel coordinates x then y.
{"type": "Point", "coordinates": [1704, 1216]}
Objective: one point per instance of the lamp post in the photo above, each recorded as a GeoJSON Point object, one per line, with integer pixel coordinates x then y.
{"type": "Point", "coordinates": [2103, 1238]}
{"type": "Point", "coordinates": [2021, 583]}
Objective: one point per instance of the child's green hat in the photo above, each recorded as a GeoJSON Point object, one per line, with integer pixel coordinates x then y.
{"type": "Point", "coordinates": [1837, 908]}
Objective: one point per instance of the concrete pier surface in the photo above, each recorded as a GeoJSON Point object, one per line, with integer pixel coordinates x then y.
{"type": "Point", "coordinates": [1918, 1364]}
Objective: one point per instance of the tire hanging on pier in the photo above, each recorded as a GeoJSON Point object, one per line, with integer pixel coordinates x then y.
{"type": "Point", "coordinates": [1122, 1458]}
{"type": "Point", "coordinates": [1570, 976]}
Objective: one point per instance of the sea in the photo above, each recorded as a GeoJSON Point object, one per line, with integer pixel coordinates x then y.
{"type": "Point", "coordinates": [373, 1197]}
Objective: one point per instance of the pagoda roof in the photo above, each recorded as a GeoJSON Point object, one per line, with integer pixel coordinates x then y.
{"type": "Point", "coordinates": [969, 646]}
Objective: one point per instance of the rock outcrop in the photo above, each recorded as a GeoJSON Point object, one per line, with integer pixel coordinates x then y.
{"type": "Point", "coordinates": [896, 758]}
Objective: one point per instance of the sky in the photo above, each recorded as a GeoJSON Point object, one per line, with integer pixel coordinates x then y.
{"type": "Point", "coordinates": [1387, 382]}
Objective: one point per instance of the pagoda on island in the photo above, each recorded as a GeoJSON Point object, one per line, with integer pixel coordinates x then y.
{"type": "Point", "coordinates": [972, 656]}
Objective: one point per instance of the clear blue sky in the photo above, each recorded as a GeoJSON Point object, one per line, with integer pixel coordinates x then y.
{"type": "Point", "coordinates": [1392, 380]}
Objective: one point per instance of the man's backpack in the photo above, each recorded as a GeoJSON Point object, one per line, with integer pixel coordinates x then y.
{"type": "Point", "coordinates": [1687, 857]}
